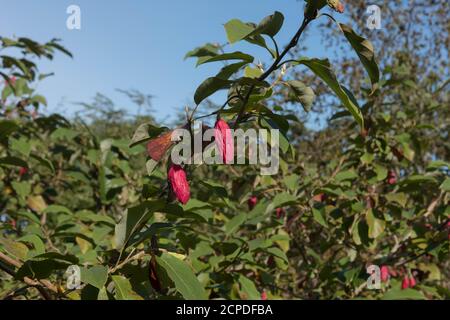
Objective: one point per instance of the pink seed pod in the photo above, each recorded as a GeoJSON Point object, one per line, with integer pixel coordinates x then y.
{"type": "Point", "coordinates": [23, 171]}
{"type": "Point", "coordinates": [264, 295]}
{"type": "Point", "coordinates": [405, 283]}
{"type": "Point", "coordinates": [179, 183]}
{"type": "Point", "coordinates": [384, 273]}
{"type": "Point", "coordinates": [412, 282]}
{"type": "Point", "coordinates": [252, 202]}
{"type": "Point", "coordinates": [392, 178]}
{"type": "Point", "coordinates": [224, 141]}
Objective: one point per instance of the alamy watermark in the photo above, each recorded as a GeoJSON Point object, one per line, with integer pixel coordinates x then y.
{"type": "Point", "coordinates": [374, 20]}
{"type": "Point", "coordinates": [73, 21]}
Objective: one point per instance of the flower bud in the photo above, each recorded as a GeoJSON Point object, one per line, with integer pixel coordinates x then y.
{"type": "Point", "coordinates": [179, 183]}
{"type": "Point", "coordinates": [224, 141]}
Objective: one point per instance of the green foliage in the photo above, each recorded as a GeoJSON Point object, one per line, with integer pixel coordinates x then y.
{"type": "Point", "coordinates": [84, 194]}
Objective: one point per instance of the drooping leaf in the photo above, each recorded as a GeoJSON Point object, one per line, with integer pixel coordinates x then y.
{"type": "Point", "coordinates": [95, 276]}
{"type": "Point", "coordinates": [322, 69]}
{"type": "Point", "coordinates": [182, 275]}
{"type": "Point", "coordinates": [270, 25]}
{"type": "Point", "coordinates": [209, 87]}
{"type": "Point", "coordinates": [365, 51]}
{"type": "Point", "coordinates": [124, 290]}
{"type": "Point", "coordinates": [303, 94]}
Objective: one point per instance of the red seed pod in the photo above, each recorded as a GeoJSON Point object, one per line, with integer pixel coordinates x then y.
{"type": "Point", "coordinates": [252, 202]}
{"type": "Point", "coordinates": [224, 141]}
{"type": "Point", "coordinates": [405, 283]}
{"type": "Point", "coordinates": [412, 282]}
{"type": "Point", "coordinates": [264, 295]}
{"type": "Point", "coordinates": [23, 171]}
{"type": "Point", "coordinates": [281, 213]}
{"type": "Point", "coordinates": [384, 273]}
{"type": "Point", "coordinates": [392, 178]}
{"type": "Point", "coordinates": [179, 183]}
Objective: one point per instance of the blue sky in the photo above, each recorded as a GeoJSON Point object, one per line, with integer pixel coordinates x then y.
{"type": "Point", "coordinates": [137, 44]}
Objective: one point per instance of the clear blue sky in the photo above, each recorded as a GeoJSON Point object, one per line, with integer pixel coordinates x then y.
{"type": "Point", "coordinates": [137, 44]}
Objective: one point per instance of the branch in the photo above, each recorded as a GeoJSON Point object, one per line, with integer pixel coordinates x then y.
{"type": "Point", "coordinates": [39, 285]}
{"type": "Point", "coordinates": [272, 68]}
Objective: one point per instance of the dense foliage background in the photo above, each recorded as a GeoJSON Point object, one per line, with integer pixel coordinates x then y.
{"type": "Point", "coordinates": [370, 187]}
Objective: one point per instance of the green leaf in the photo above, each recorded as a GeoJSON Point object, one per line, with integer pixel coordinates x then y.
{"type": "Point", "coordinates": [319, 216]}
{"type": "Point", "coordinates": [237, 30]}
{"type": "Point", "coordinates": [346, 175]}
{"type": "Point", "coordinates": [182, 275]}
{"type": "Point", "coordinates": [282, 199]}
{"type": "Point", "coordinates": [207, 50]}
{"type": "Point", "coordinates": [322, 69]}
{"type": "Point", "coordinates": [95, 276]}
{"type": "Point", "coordinates": [13, 161]}
{"type": "Point", "coordinates": [445, 185]}
{"type": "Point", "coordinates": [209, 87]}
{"type": "Point", "coordinates": [376, 226]}
{"type": "Point", "coordinates": [382, 172]}
{"type": "Point", "coordinates": [365, 51]}
{"type": "Point", "coordinates": [249, 288]}
{"type": "Point", "coordinates": [44, 162]}
{"type": "Point", "coordinates": [303, 94]}
{"type": "Point", "coordinates": [233, 225]}
{"type": "Point", "coordinates": [7, 127]}
{"type": "Point", "coordinates": [270, 25]}
{"type": "Point", "coordinates": [406, 294]}
{"type": "Point", "coordinates": [226, 56]}
{"type": "Point", "coordinates": [36, 241]}
{"type": "Point", "coordinates": [133, 218]}
{"type": "Point", "coordinates": [254, 73]}
{"type": "Point", "coordinates": [17, 249]}
{"type": "Point", "coordinates": [124, 291]}
{"type": "Point", "coordinates": [22, 188]}
{"type": "Point", "coordinates": [44, 265]}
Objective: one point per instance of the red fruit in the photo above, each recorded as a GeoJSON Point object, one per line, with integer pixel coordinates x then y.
{"type": "Point", "coordinates": [13, 224]}
{"type": "Point", "coordinates": [405, 283]}
{"type": "Point", "coordinates": [23, 171]}
{"type": "Point", "coordinates": [252, 202]}
{"type": "Point", "coordinates": [224, 141]}
{"type": "Point", "coordinates": [263, 295]}
{"type": "Point", "coordinates": [280, 213]}
{"type": "Point", "coordinates": [384, 273]}
{"type": "Point", "coordinates": [179, 183]}
{"type": "Point", "coordinates": [412, 282]}
{"type": "Point", "coordinates": [392, 178]}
